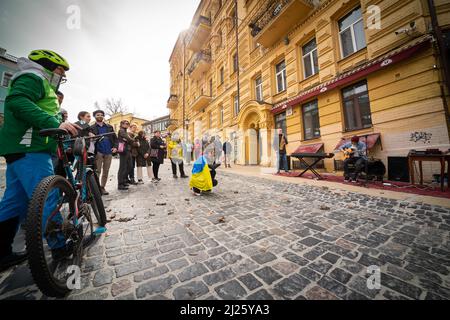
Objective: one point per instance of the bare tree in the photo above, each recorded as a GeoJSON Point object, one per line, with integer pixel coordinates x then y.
{"type": "Point", "coordinates": [112, 106]}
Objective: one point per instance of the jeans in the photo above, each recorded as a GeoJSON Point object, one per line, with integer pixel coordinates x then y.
{"type": "Point", "coordinates": [180, 166]}
{"type": "Point", "coordinates": [155, 166]}
{"type": "Point", "coordinates": [282, 162]}
{"type": "Point", "coordinates": [133, 165]}
{"type": "Point", "coordinates": [124, 167]}
{"type": "Point", "coordinates": [359, 166]}
{"type": "Point", "coordinates": [22, 178]}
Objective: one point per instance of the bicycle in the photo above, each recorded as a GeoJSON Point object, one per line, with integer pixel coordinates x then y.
{"type": "Point", "coordinates": [59, 222]}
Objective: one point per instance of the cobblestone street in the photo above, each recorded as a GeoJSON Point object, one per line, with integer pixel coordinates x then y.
{"type": "Point", "coordinates": [254, 238]}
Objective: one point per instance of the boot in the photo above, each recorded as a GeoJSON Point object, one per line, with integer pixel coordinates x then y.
{"type": "Point", "coordinates": [8, 258]}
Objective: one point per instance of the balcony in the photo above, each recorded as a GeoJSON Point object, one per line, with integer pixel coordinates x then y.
{"type": "Point", "coordinates": [200, 103]}
{"type": "Point", "coordinates": [201, 63]}
{"type": "Point", "coordinates": [202, 30]}
{"type": "Point", "coordinates": [172, 125]}
{"type": "Point", "coordinates": [277, 17]}
{"type": "Point", "coordinates": [172, 103]}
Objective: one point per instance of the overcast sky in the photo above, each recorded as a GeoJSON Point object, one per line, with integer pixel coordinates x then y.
{"type": "Point", "coordinates": [121, 50]}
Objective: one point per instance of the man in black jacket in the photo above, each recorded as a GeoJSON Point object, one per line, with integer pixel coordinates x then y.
{"type": "Point", "coordinates": [104, 149]}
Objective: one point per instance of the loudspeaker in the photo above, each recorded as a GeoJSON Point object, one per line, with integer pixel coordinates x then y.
{"type": "Point", "coordinates": [398, 169]}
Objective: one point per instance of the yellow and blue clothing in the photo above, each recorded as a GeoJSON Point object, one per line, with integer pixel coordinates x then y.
{"type": "Point", "coordinates": [201, 176]}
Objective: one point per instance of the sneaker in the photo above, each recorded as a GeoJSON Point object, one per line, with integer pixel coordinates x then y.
{"type": "Point", "coordinates": [12, 260]}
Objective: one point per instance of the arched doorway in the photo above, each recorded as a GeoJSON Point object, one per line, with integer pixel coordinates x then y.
{"type": "Point", "coordinates": [254, 127]}
{"type": "Point", "coordinates": [252, 146]}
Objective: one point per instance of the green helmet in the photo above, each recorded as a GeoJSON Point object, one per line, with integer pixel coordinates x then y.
{"type": "Point", "coordinates": [48, 59]}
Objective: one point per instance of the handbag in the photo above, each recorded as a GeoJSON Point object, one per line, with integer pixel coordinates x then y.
{"type": "Point", "coordinates": [154, 153]}
{"type": "Point", "coordinates": [121, 147]}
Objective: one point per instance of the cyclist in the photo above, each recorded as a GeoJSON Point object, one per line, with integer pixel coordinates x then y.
{"type": "Point", "coordinates": [31, 105]}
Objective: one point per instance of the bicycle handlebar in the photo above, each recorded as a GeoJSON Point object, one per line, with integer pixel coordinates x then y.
{"type": "Point", "coordinates": [98, 137]}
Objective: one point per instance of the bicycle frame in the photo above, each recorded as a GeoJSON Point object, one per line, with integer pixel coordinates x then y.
{"type": "Point", "coordinates": [80, 164]}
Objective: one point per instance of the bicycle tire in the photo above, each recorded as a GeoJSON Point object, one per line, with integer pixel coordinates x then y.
{"type": "Point", "coordinates": [96, 201]}
{"type": "Point", "coordinates": [34, 237]}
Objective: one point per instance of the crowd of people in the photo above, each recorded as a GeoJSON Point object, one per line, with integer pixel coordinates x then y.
{"type": "Point", "coordinates": [34, 103]}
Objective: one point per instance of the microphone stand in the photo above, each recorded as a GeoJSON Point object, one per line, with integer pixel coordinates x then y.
{"type": "Point", "coordinates": [366, 182]}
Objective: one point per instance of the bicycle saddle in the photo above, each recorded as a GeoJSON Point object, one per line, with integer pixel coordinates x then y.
{"type": "Point", "coordinates": [53, 132]}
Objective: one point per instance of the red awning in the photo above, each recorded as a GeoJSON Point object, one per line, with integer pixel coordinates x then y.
{"type": "Point", "coordinates": [371, 140]}
{"type": "Point", "coordinates": [357, 73]}
{"type": "Point", "coordinates": [311, 148]}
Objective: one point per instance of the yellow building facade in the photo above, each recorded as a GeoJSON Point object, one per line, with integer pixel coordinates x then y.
{"type": "Point", "coordinates": [322, 71]}
{"type": "Point", "coordinates": [116, 118]}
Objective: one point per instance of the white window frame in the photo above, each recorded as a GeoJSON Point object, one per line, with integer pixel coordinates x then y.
{"type": "Point", "coordinates": [352, 30]}
{"type": "Point", "coordinates": [3, 78]}
{"type": "Point", "coordinates": [259, 89]}
{"type": "Point", "coordinates": [311, 59]}
{"type": "Point", "coordinates": [283, 76]}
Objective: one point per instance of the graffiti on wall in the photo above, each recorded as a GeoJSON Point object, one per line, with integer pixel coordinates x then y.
{"type": "Point", "coordinates": [424, 137]}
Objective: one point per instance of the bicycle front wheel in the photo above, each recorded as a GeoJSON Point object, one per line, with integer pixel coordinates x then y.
{"type": "Point", "coordinates": [95, 199]}
{"type": "Point", "coordinates": [53, 236]}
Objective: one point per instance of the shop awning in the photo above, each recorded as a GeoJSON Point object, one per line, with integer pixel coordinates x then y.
{"type": "Point", "coordinates": [311, 148]}
{"type": "Point", "coordinates": [357, 73]}
{"type": "Point", "coordinates": [371, 140]}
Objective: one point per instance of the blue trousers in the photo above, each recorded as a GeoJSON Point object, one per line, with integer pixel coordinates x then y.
{"type": "Point", "coordinates": [22, 177]}
{"type": "Point", "coordinates": [282, 162]}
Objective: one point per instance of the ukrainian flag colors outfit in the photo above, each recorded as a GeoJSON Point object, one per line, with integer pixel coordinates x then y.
{"type": "Point", "coordinates": [201, 177]}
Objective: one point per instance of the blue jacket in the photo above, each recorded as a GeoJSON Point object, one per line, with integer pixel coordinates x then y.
{"type": "Point", "coordinates": [360, 149]}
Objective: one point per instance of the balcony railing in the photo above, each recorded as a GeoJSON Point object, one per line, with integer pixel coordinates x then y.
{"type": "Point", "coordinates": [172, 103]}
{"type": "Point", "coordinates": [276, 17]}
{"type": "Point", "coordinates": [200, 33]}
{"type": "Point", "coordinates": [201, 62]}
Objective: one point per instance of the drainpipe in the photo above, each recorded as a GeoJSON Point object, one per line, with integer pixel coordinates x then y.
{"type": "Point", "coordinates": [184, 87]}
{"type": "Point", "coordinates": [442, 55]}
{"type": "Point", "coordinates": [238, 71]}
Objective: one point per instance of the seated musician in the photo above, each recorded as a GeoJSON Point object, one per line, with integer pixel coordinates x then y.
{"type": "Point", "coordinates": [356, 155]}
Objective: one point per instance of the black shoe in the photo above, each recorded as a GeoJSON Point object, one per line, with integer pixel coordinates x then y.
{"type": "Point", "coordinates": [123, 187]}
{"type": "Point", "coordinates": [133, 182]}
{"type": "Point", "coordinates": [104, 192]}
{"type": "Point", "coordinates": [158, 179]}
{"type": "Point", "coordinates": [175, 176]}
{"type": "Point", "coordinates": [184, 176]}
{"type": "Point", "coordinates": [126, 185]}
{"type": "Point", "coordinates": [11, 260]}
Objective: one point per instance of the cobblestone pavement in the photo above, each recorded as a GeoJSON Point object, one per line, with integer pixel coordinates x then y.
{"type": "Point", "coordinates": [258, 239]}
